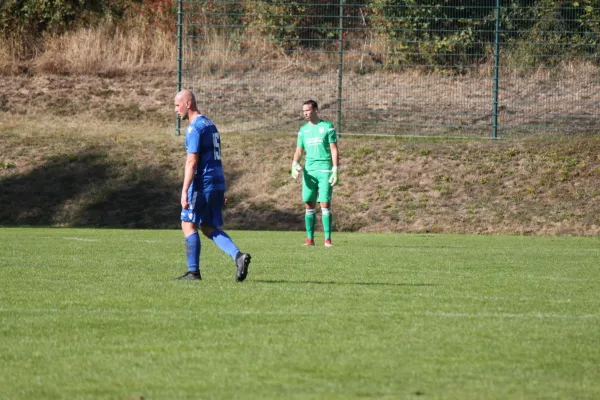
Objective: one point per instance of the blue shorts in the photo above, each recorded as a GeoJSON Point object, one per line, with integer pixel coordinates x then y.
{"type": "Point", "coordinates": [205, 208]}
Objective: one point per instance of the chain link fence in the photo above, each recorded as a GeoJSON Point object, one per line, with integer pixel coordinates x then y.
{"type": "Point", "coordinates": [470, 68]}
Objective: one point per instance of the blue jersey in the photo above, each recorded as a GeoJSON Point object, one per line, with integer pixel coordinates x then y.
{"type": "Point", "coordinates": [202, 137]}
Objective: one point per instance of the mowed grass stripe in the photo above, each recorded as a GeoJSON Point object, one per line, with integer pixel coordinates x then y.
{"type": "Point", "coordinates": [377, 316]}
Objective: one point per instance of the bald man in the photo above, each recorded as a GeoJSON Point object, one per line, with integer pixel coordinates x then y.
{"type": "Point", "coordinates": [203, 191]}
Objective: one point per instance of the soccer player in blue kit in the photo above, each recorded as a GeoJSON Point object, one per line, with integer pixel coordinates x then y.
{"type": "Point", "coordinates": [203, 192]}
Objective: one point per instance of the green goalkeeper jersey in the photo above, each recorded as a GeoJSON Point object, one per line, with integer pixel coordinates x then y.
{"type": "Point", "coordinates": [315, 140]}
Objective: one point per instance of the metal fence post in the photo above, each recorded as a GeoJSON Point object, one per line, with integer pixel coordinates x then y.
{"type": "Point", "coordinates": [179, 56]}
{"type": "Point", "coordinates": [340, 67]}
{"type": "Point", "coordinates": [496, 71]}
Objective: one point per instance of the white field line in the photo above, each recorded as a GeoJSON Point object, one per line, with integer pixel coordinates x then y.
{"type": "Point", "coordinates": [81, 239]}
{"type": "Point", "coordinates": [493, 298]}
{"type": "Point", "coordinates": [303, 313]}
{"type": "Point", "coordinates": [397, 248]}
{"type": "Point", "coordinates": [366, 290]}
{"type": "Point", "coordinates": [461, 274]}
{"type": "Point", "coordinates": [98, 240]}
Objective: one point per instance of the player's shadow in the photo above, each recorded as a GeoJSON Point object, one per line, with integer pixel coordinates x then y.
{"type": "Point", "coordinates": [344, 283]}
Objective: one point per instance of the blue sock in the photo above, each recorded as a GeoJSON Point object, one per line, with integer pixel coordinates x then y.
{"type": "Point", "coordinates": [192, 252]}
{"type": "Point", "coordinates": [224, 242]}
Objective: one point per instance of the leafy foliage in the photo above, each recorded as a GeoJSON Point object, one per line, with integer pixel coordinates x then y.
{"type": "Point", "coordinates": [425, 32]}
{"type": "Point", "coordinates": [36, 17]}
{"type": "Point", "coordinates": [308, 24]}
{"type": "Point", "coordinates": [39, 16]}
{"type": "Point", "coordinates": [546, 31]}
{"type": "Point", "coordinates": [451, 33]}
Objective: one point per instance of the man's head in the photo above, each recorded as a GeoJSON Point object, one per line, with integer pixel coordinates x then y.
{"type": "Point", "coordinates": [310, 109]}
{"type": "Point", "coordinates": [185, 101]}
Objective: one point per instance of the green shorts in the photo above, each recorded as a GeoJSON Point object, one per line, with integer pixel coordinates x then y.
{"type": "Point", "coordinates": [316, 186]}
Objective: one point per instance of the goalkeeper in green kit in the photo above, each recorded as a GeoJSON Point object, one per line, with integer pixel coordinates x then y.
{"type": "Point", "coordinates": [320, 172]}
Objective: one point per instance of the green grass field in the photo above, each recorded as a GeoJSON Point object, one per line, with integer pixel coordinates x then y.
{"type": "Point", "coordinates": [95, 314]}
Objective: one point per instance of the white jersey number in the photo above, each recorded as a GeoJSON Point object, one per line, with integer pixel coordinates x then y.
{"type": "Point", "coordinates": [217, 146]}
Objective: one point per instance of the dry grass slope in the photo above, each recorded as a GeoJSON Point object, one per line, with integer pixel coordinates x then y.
{"type": "Point", "coordinates": [87, 140]}
{"type": "Point", "coordinates": [100, 151]}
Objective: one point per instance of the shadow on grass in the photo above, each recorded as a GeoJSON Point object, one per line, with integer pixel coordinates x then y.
{"type": "Point", "coordinates": [263, 216]}
{"type": "Point", "coordinates": [341, 283]}
{"type": "Point", "coordinates": [35, 198]}
{"type": "Point", "coordinates": [142, 199]}
{"type": "Point", "coordinates": [87, 189]}
{"type": "Point", "coordinates": [84, 189]}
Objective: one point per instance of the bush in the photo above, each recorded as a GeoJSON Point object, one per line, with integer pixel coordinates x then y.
{"type": "Point", "coordinates": [38, 17]}
{"type": "Point", "coordinates": [455, 32]}
{"type": "Point", "coordinates": [546, 32]}
{"type": "Point", "coordinates": [300, 24]}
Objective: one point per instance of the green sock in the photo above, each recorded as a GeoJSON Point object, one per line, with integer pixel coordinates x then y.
{"type": "Point", "coordinates": [327, 217]}
{"type": "Point", "coordinates": [309, 219]}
